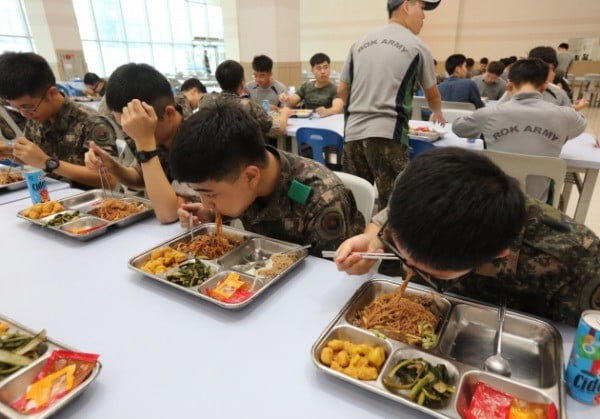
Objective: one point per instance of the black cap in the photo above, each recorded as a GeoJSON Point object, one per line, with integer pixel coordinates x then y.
{"type": "Point", "coordinates": [429, 4]}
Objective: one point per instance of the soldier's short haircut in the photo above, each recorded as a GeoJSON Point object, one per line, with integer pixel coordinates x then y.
{"type": "Point", "coordinates": [453, 61]}
{"type": "Point", "coordinates": [230, 75]}
{"type": "Point", "coordinates": [546, 54]}
{"type": "Point", "coordinates": [216, 142]}
{"type": "Point", "coordinates": [484, 60]}
{"type": "Point", "coordinates": [191, 83]}
{"type": "Point", "coordinates": [262, 64]}
{"type": "Point", "coordinates": [453, 209]}
{"type": "Point", "coordinates": [24, 73]}
{"type": "Point", "coordinates": [495, 67]}
{"type": "Point", "coordinates": [90, 79]}
{"type": "Point", "coordinates": [532, 71]}
{"type": "Point", "coordinates": [138, 81]}
{"type": "Point", "coordinates": [319, 58]}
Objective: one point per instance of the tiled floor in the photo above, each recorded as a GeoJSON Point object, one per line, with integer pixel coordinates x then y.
{"type": "Point", "coordinates": [593, 216]}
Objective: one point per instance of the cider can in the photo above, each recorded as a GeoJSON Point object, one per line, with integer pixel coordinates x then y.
{"type": "Point", "coordinates": [36, 183]}
{"type": "Point", "coordinates": [583, 371]}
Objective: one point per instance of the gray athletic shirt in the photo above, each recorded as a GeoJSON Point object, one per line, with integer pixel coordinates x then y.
{"type": "Point", "coordinates": [553, 94]}
{"type": "Point", "coordinates": [381, 70]}
{"type": "Point", "coordinates": [492, 91]}
{"type": "Point", "coordinates": [526, 124]}
{"type": "Point", "coordinates": [259, 94]}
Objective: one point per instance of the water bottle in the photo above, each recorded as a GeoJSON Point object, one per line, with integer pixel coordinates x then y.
{"type": "Point", "coordinates": [267, 106]}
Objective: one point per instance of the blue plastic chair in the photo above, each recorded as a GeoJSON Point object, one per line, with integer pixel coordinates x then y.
{"type": "Point", "coordinates": [317, 139]}
{"type": "Point", "coordinates": [63, 89]}
{"type": "Point", "coordinates": [417, 146]}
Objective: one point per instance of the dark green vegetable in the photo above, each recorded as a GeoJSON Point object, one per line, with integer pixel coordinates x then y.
{"type": "Point", "coordinates": [429, 385]}
{"type": "Point", "coordinates": [61, 219]}
{"type": "Point", "coordinates": [191, 274]}
{"type": "Point", "coordinates": [18, 350]}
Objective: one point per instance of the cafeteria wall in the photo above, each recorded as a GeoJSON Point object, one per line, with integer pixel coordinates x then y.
{"type": "Point", "coordinates": [474, 27]}
{"type": "Point", "coordinates": [53, 28]}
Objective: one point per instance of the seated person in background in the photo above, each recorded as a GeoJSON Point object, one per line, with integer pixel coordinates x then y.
{"type": "Point", "coordinates": [561, 81]}
{"type": "Point", "coordinates": [508, 62]}
{"type": "Point", "coordinates": [94, 85]}
{"type": "Point", "coordinates": [553, 93]}
{"type": "Point", "coordinates": [220, 152]}
{"type": "Point", "coordinates": [319, 95]}
{"type": "Point", "coordinates": [470, 68]}
{"type": "Point", "coordinates": [230, 75]}
{"type": "Point", "coordinates": [485, 239]}
{"type": "Point", "coordinates": [526, 124]}
{"type": "Point", "coordinates": [457, 88]}
{"type": "Point", "coordinates": [483, 64]}
{"type": "Point", "coordinates": [264, 87]}
{"type": "Point", "coordinates": [194, 91]}
{"type": "Point", "coordinates": [142, 102]}
{"type": "Point", "coordinates": [58, 131]}
{"type": "Point", "coordinates": [565, 58]}
{"type": "Point", "coordinates": [490, 84]}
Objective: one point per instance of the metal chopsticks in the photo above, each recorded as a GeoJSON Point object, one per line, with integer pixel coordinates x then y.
{"type": "Point", "coordinates": [332, 254]}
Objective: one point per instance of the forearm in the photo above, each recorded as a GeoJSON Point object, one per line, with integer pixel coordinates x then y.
{"type": "Point", "coordinates": [128, 176]}
{"type": "Point", "coordinates": [337, 106]}
{"type": "Point", "coordinates": [160, 192]}
{"type": "Point", "coordinates": [434, 99]}
{"type": "Point", "coordinates": [293, 101]}
{"type": "Point", "coordinates": [83, 175]}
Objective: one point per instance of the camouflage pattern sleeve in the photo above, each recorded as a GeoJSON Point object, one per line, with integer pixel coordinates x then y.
{"type": "Point", "coordinates": [580, 284]}
{"type": "Point", "coordinates": [333, 219]}
{"type": "Point", "coordinates": [103, 134]}
{"type": "Point", "coordinates": [265, 121]}
{"type": "Point", "coordinates": [380, 218]}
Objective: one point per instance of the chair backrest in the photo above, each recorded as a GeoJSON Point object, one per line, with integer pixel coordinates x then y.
{"type": "Point", "coordinates": [418, 103]}
{"type": "Point", "coordinates": [317, 139]}
{"type": "Point", "coordinates": [451, 114]}
{"type": "Point", "coordinates": [417, 146]}
{"type": "Point", "coordinates": [63, 89]}
{"type": "Point", "coordinates": [520, 166]}
{"type": "Point", "coordinates": [363, 191]}
{"type": "Point", "coordinates": [458, 105]}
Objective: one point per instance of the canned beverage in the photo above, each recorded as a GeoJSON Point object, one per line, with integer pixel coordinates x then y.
{"type": "Point", "coordinates": [583, 370]}
{"type": "Point", "coordinates": [38, 190]}
{"type": "Point", "coordinates": [267, 105]}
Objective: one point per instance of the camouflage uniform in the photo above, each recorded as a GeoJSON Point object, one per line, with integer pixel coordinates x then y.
{"type": "Point", "coordinates": [327, 217]}
{"type": "Point", "coordinates": [265, 121]}
{"type": "Point", "coordinates": [7, 132]}
{"type": "Point", "coordinates": [67, 138]}
{"type": "Point", "coordinates": [553, 269]}
{"type": "Point", "coordinates": [377, 160]}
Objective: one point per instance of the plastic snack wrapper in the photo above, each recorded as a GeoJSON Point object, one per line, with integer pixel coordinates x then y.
{"type": "Point", "coordinates": [63, 372]}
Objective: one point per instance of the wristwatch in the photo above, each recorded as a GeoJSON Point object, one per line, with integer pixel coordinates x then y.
{"type": "Point", "coordinates": [52, 164]}
{"type": "Point", "coordinates": [145, 156]}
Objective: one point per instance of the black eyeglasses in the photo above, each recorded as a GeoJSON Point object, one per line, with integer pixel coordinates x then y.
{"type": "Point", "coordinates": [34, 110]}
{"type": "Point", "coordinates": [424, 275]}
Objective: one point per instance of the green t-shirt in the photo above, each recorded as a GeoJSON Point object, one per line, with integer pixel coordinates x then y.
{"type": "Point", "coordinates": [315, 97]}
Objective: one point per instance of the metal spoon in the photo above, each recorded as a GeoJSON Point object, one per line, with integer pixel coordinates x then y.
{"type": "Point", "coordinates": [496, 363]}
{"type": "Point", "coordinates": [191, 226]}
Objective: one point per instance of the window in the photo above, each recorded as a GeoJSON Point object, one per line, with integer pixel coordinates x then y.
{"type": "Point", "coordinates": [170, 35]}
{"type": "Point", "coordinates": [14, 31]}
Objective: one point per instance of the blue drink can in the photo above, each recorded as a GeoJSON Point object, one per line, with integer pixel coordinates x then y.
{"type": "Point", "coordinates": [38, 190]}
{"type": "Point", "coordinates": [583, 370]}
{"type": "Point", "coordinates": [267, 105]}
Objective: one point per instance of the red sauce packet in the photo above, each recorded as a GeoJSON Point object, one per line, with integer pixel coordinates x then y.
{"type": "Point", "coordinates": [59, 361]}
{"type": "Point", "coordinates": [488, 403]}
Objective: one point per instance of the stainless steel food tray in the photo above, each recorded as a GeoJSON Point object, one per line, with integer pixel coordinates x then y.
{"type": "Point", "coordinates": [14, 386]}
{"type": "Point", "coordinates": [15, 185]}
{"type": "Point", "coordinates": [84, 203]}
{"type": "Point", "coordinates": [253, 247]}
{"type": "Point", "coordinates": [465, 340]}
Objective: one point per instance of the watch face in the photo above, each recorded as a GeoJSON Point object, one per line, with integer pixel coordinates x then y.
{"type": "Point", "coordinates": [51, 164]}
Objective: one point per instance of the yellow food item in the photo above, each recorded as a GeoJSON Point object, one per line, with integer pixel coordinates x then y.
{"type": "Point", "coordinates": [4, 328]}
{"type": "Point", "coordinates": [163, 259]}
{"type": "Point", "coordinates": [362, 362]}
{"type": "Point", "coordinates": [327, 356]}
{"type": "Point", "coordinates": [43, 209]}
